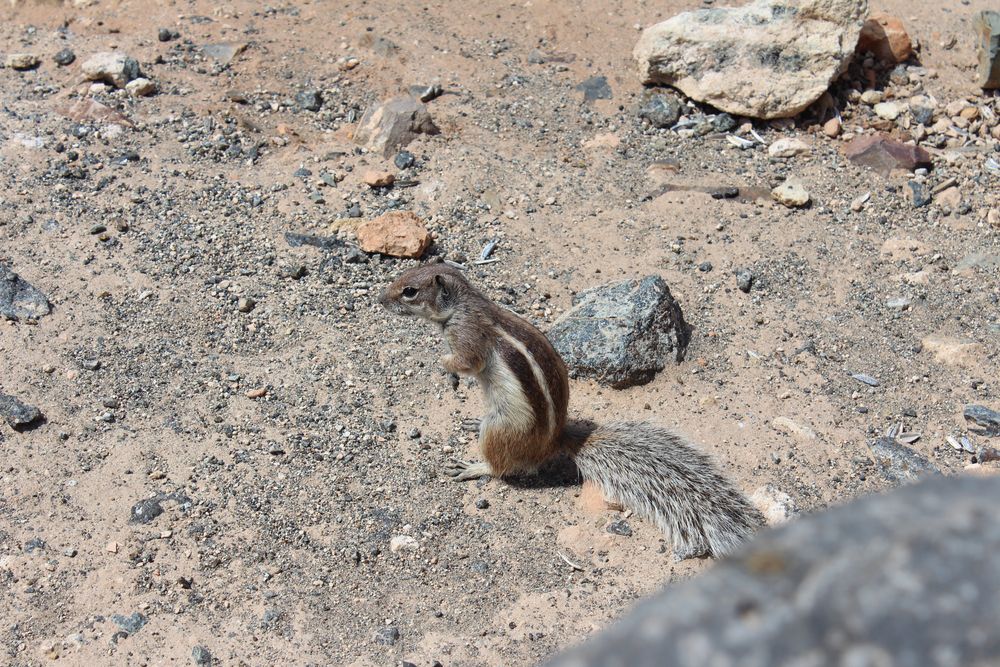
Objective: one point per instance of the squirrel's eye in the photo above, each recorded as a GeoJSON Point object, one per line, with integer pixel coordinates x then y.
{"type": "Point", "coordinates": [409, 292]}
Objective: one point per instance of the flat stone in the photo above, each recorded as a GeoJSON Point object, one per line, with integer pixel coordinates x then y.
{"type": "Point", "coordinates": [224, 53]}
{"type": "Point", "coordinates": [900, 463]}
{"type": "Point", "coordinates": [792, 193]}
{"type": "Point", "coordinates": [111, 67]}
{"type": "Point", "coordinates": [19, 300]}
{"type": "Point", "coordinates": [18, 415]}
{"type": "Point", "coordinates": [130, 624]}
{"type": "Point", "coordinates": [22, 61]}
{"type": "Point", "coordinates": [787, 147]}
{"type": "Point", "coordinates": [886, 38]}
{"type": "Point", "coordinates": [621, 334]}
{"type": "Point", "coordinates": [397, 233]}
{"type": "Point", "coordinates": [865, 584]}
{"type": "Point", "coordinates": [403, 543]}
{"type": "Point", "coordinates": [954, 351]}
{"type": "Point", "coordinates": [919, 194]}
{"type": "Point", "coordinates": [987, 27]}
{"type": "Point", "coordinates": [786, 425]}
{"type": "Point", "coordinates": [983, 416]}
{"type": "Point", "coordinates": [766, 59]}
{"type": "Point", "coordinates": [595, 88]}
{"type": "Point", "coordinates": [883, 154]}
{"type": "Point", "coordinates": [387, 127]}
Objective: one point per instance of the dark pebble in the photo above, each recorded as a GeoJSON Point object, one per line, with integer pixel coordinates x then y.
{"type": "Point", "coordinates": [145, 511]}
{"type": "Point", "coordinates": [919, 194]}
{"type": "Point", "coordinates": [482, 504]}
{"type": "Point", "coordinates": [310, 100]}
{"type": "Point", "coordinates": [387, 636]}
{"type": "Point", "coordinates": [724, 123]}
{"type": "Point", "coordinates": [404, 160]}
{"type": "Point", "coordinates": [744, 280]}
{"type": "Point", "coordinates": [619, 528]}
{"type": "Point", "coordinates": [64, 57]}
{"type": "Point", "coordinates": [17, 414]}
{"type": "Point", "coordinates": [130, 624]}
{"type": "Point", "coordinates": [705, 267]}
{"type": "Point", "coordinates": [414, 433]}
{"type": "Point", "coordinates": [201, 656]}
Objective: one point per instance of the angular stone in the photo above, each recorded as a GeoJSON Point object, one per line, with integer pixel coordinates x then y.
{"type": "Point", "coordinates": [883, 154]}
{"type": "Point", "coordinates": [953, 351]}
{"type": "Point", "coordinates": [868, 583]}
{"type": "Point", "coordinates": [20, 300]}
{"type": "Point", "coordinates": [623, 333]}
{"type": "Point", "coordinates": [595, 88]}
{"type": "Point", "coordinates": [17, 414]}
{"type": "Point", "coordinates": [983, 416]}
{"type": "Point", "coordinates": [111, 67]}
{"type": "Point", "coordinates": [987, 27]}
{"type": "Point", "coordinates": [767, 59]}
{"type": "Point", "coordinates": [90, 110]}
{"type": "Point", "coordinates": [791, 193]}
{"type": "Point", "coordinates": [397, 233]}
{"type": "Point", "coordinates": [786, 425]}
{"type": "Point", "coordinates": [776, 505]}
{"type": "Point", "coordinates": [387, 127]}
{"type": "Point", "coordinates": [225, 52]}
{"type": "Point", "coordinates": [375, 178]}
{"type": "Point", "coordinates": [900, 463]}
{"type": "Point", "coordinates": [22, 61]}
{"type": "Point", "coordinates": [885, 36]}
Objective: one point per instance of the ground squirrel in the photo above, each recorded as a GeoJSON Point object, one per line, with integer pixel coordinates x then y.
{"type": "Point", "coordinates": [650, 470]}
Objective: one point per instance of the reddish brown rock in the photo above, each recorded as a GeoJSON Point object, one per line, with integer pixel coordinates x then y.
{"type": "Point", "coordinates": [886, 37]}
{"type": "Point", "coordinates": [378, 179]}
{"type": "Point", "coordinates": [398, 233]}
{"type": "Point", "coordinates": [883, 154]}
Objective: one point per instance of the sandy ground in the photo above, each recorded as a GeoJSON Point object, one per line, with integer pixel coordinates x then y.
{"type": "Point", "coordinates": [278, 511]}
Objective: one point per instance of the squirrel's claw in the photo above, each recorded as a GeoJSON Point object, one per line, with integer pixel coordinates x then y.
{"type": "Point", "coordinates": [471, 424]}
{"type": "Point", "coordinates": [461, 471]}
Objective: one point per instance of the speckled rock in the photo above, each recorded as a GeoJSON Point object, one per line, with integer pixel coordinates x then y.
{"type": "Point", "coordinates": [887, 580]}
{"type": "Point", "coordinates": [767, 59]}
{"type": "Point", "coordinates": [18, 299]}
{"type": "Point", "coordinates": [622, 334]}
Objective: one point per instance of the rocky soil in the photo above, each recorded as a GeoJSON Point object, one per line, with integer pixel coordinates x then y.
{"type": "Point", "coordinates": [237, 459]}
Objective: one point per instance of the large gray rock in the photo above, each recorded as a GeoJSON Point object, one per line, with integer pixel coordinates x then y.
{"type": "Point", "coordinates": [767, 59]}
{"type": "Point", "coordinates": [987, 27]}
{"type": "Point", "coordinates": [391, 125]}
{"type": "Point", "coordinates": [907, 579]}
{"type": "Point", "coordinates": [19, 300]}
{"type": "Point", "coordinates": [900, 464]}
{"type": "Point", "coordinates": [623, 333]}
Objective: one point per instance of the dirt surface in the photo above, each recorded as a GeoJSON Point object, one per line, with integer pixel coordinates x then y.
{"type": "Point", "coordinates": [290, 444]}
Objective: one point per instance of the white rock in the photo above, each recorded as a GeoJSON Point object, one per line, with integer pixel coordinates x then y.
{"type": "Point", "coordinates": [776, 505]}
{"type": "Point", "coordinates": [787, 147]}
{"type": "Point", "coordinates": [22, 61]}
{"type": "Point", "coordinates": [403, 543]}
{"type": "Point", "coordinates": [888, 110]}
{"type": "Point", "coordinates": [140, 87]}
{"type": "Point", "coordinates": [791, 193]}
{"type": "Point", "coordinates": [114, 68]}
{"type": "Point", "coordinates": [767, 59]}
{"type": "Point", "coordinates": [786, 425]}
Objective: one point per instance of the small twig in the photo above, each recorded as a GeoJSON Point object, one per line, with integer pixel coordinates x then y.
{"type": "Point", "coordinates": [569, 562]}
{"type": "Point", "coordinates": [486, 261]}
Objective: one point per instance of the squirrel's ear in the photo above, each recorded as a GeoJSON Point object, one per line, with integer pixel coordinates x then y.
{"type": "Point", "coordinates": [443, 284]}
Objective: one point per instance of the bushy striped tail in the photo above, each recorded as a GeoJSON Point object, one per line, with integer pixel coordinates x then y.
{"type": "Point", "coordinates": [661, 477]}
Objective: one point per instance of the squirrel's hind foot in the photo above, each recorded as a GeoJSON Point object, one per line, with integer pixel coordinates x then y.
{"type": "Point", "coordinates": [462, 471]}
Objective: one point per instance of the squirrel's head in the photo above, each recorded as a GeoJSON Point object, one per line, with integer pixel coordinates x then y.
{"type": "Point", "coordinates": [430, 291]}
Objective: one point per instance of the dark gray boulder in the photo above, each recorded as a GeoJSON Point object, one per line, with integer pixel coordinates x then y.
{"type": "Point", "coordinates": [19, 300]}
{"type": "Point", "coordinates": [906, 579]}
{"type": "Point", "coordinates": [17, 414]}
{"type": "Point", "coordinates": [621, 334]}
